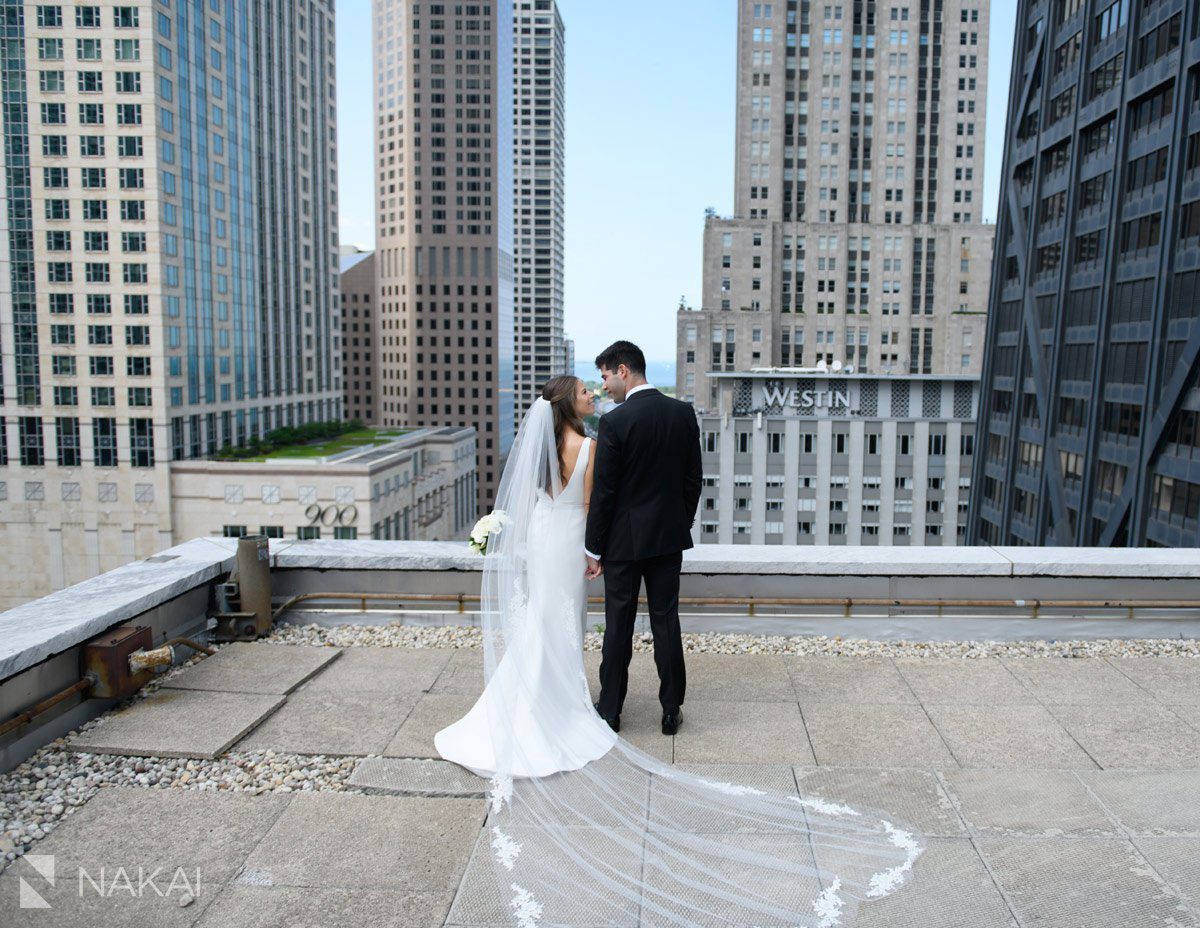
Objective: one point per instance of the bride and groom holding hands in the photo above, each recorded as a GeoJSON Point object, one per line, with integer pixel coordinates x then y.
{"type": "Point", "coordinates": [623, 510]}
{"type": "Point", "coordinates": [583, 828]}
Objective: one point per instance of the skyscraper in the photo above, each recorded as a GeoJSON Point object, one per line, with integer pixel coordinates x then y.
{"type": "Point", "coordinates": [170, 260]}
{"type": "Point", "coordinates": [857, 233]}
{"type": "Point", "coordinates": [539, 155]}
{"type": "Point", "coordinates": [358, 289]}
{"type": "Point", "coordinates": [1090, 404]}
{"type": "Point", "coordinates": [444, 221]}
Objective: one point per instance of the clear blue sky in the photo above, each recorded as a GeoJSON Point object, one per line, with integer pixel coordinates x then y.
{"type": "Point", "coordinates": [650, 121]}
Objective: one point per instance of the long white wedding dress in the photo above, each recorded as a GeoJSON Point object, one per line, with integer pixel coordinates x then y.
{"type": "Point", "coordinates": [584, 829]}
{"type": "Point", "coordinates": [540, 684]}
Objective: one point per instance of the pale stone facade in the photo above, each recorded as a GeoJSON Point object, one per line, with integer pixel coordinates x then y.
{"type": "Point", "coordinates": [813, 458]}
{"type": "Point", "coordinates": [419, 487]}
{"type": "Point", "coordinates": [857, 233]}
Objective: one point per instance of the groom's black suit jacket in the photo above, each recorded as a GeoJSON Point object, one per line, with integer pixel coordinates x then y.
{"type": "Point", "coordinates": [646, 484]}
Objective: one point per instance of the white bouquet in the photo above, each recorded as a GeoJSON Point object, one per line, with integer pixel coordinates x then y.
{"type": "Point", "coordinates": [491, 524]}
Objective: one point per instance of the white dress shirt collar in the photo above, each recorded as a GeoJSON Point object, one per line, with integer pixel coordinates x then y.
{"type": "Point", "coordinates": [644, 386]}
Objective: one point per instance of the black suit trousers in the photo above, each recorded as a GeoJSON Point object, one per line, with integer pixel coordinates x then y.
{"type": "Point", "coordinates": [622, 584]}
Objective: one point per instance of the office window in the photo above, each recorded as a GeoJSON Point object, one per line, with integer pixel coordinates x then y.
{"type": "Point", "coordinates": [33, 452]}
{"type": "Point", "coordinates": [141, 442]}
{"type": "Point", "coordinates": [49, 16]}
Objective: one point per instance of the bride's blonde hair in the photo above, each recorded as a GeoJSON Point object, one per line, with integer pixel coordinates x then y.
{"type": "Point", "coordinates": [560, 394]}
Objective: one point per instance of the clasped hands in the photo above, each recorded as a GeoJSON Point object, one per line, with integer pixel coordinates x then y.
{"type": "Point", "coordinates": [593, 569]}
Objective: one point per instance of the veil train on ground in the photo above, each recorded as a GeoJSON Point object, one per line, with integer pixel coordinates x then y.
{"type": "Point", "coordinates": [624, 838]}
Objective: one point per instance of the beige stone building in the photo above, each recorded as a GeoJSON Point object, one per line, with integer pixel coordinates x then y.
{"type": "Point", "coordinates": [443, 137]}
{"type": "Point", "coordinates": [168, 272]}
{"type": "Point", "coordinates": [419, 486]}
{"type": "Point", "coordinates": [857, 233]}
{"type": "Point", "coordinates": [358, 290]}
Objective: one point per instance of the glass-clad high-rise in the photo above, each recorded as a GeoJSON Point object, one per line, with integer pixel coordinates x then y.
{"type": "Point", "coordinates": [1090, 409]}
{"type": "Point", "coordinates": [168, 260]}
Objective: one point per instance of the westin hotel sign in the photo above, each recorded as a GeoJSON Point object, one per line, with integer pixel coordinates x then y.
{"type": "Point", "coordinates": [839, 398]}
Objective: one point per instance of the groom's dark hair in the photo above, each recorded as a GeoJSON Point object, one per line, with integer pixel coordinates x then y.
{"type": "Point", "coordinates": [619, 353]}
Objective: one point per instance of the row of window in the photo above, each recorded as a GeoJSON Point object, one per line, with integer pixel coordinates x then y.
{"type": "Point", "coordinates": [69, 453]}
{"type": "Point", "coordinates": [835, 529]}
{"type": "Point", "coordinates": [303, 532]}
{"type": "Point", "coordinates": [97, 272]}
{"type": "Point", "coordinates": [872, 444]}
{"type": "Point", "coordinates": [94, 178]}
{"type": "Point", "coordinates": [90, 50]}
{"type": "Point", "coordinates": [50, 16]}
{"type": "Point", "coordinates": [88, 82]}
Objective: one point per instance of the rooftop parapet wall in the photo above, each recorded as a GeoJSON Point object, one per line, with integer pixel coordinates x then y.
{"type": "Point", "coordinates": [40, 629]}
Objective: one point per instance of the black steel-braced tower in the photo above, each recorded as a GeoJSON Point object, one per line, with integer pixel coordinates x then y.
{"type": "Point", "coordinates": [1090, 404]}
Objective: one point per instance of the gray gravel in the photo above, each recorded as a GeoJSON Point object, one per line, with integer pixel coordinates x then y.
{"type": "Point", "coordinates": [397, 635]}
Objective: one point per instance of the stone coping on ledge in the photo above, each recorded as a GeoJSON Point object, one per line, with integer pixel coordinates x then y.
{"type": "Point", "coordinates": [32, 632]}
{"type": "Point", "coordinates": [950, 561]}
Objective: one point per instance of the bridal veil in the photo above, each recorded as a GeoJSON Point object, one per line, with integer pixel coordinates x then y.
{"type": "Point", "coordinates": [627, 839]}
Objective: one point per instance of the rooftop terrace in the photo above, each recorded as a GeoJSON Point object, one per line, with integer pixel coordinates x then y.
{"type": "Point", "coordinates": [1054, 780]}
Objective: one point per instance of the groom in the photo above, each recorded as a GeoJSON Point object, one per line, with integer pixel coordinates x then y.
{"type": "Point", "coordinates": [644, 495]}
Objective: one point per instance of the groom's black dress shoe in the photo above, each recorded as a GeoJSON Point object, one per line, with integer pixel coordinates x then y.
{"type": "Point", "coordinates": [613, 723]}
{"type": "Point", "coordinates": [672, 721]}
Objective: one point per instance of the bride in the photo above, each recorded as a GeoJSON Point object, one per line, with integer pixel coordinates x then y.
{"type": "Point", "coordinates": [586, 830]}
{"type": "Point", "coordinates": [537, 687]}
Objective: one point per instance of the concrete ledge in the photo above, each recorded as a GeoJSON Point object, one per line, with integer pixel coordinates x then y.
{"type": "Point", "coordinates": [827, 560]}
{"type": "Point", "coordinates": [35, 631]}
{"type": "Point", "coordinates": [32, 632]}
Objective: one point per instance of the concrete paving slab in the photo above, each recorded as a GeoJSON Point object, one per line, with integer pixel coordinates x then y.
{"type": "Point", "coordinates": [641, 727]}
{"type": "Point", "coordinates": [1149, 802]}
{"type": "Point", "coordinates": [406, 776]}
{"type": "Point", "coordinates": [1136, 737]}
{"type": "Point", "coordinates": [431, 714]}
{"type": "Point", "coordinates": [1169, 679]}
{"type": "Point", "coordinates": [141, 830]}
{"type": "Point", "coordinates": [68, 908]}
{"type": "Point", "coordinates": [338, 723]}
{"type": "Point", "coordinates": [643, 678]}
{"type": "Point", "coordinates": [462, 675]}
{"type": "Point", "coordinates": [742, 733]}
{"type": "Point", "coordinates": [382, 670]}
{"type": "Point", "coordinates": [746, 678]}
{"type": "Point", "coordinates": [837, 680]}
{"type": "Point", "coordinates": [245, 667]}
{"type": "Point", "coordinates": [1070, 882]}
{"type": "Point", "coordinates": [950, 888]}
{"type": "Point", "coordinates": [1042, 803]}
{"type": "Point", "coordinates": [178, 723]}
{"type": "Point", "coordinates": [489, 888]}
{"type": "Point", "coordinates": [1058, 681]}
{"type": "Point", "coordinates": [675, 806]}
{"type": "Point", "coordinates": [324, 907]}
{"type": "Point", "coordinates": [911, 797]}
{"type": "Point", "coordinates": [786, 896]}
{"type": "Point", "coordinates": [976, 682]}
{"type": "Point", "coordinates": [1177, 861]}
{"type": "Point", "coordinates": [874, 736]}
{"type": "Point", "coordinates": [343, 840]}
{"type": "Point", "coordinates": [1007, 736]}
